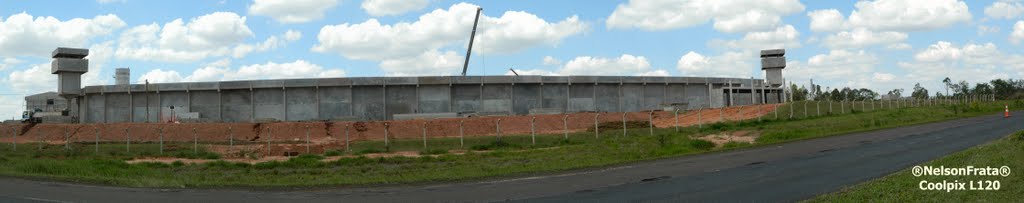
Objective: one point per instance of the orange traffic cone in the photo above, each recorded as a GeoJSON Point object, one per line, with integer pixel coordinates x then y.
{"type": "Point", "coordinates": [1007, 112]}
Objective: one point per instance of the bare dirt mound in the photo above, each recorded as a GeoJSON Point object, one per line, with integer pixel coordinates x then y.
{"type": "Point", "coordinates": [737, 136]}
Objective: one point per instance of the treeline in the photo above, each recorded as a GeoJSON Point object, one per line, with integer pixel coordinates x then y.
{"type": "Point", "coordinates": [1001, 88]}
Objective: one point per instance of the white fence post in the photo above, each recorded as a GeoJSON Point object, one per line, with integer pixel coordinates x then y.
{"type": "Point", "coordinates": [651, 122]}
{"type": "Point", "coordinates": [462, 136]}
{"type": "Point", "coordinates": [307, 139]}
{"type": "Point", "coordinates": [160, 132]}
{"type": "Point", "coordinates": [270, 148]}
{"type": "Point", "coordinates": [700, 123]}
{"type": "Point", "coordinates": [425, 135]}
{"type": "Point", "coordinates": [677, 119]}
{"type": "Point", "coordinates": [533, 130]}
{"type": "Point", "coordinates": [347, 148]}
{"type": "Point", "coordinates": [565, 126]}
{"type": "Point", "coordinates": [128, 141]}
{"type": "Point", "coordinates": [624, 125]}
{"type": "Point", "coordinates": [67, 140]}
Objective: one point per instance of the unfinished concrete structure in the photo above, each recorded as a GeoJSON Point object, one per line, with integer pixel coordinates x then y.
{"type": "Point", "coordinates": [387, 98]}
{"type": "Point", "coordinates": [381, 98]}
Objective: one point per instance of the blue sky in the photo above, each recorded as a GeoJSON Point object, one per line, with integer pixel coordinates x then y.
{"type": "Point", "coordinates": [878, 44]}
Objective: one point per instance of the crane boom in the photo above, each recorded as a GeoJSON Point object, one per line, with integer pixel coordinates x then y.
{"type": "Point", "coordinates": [472, 36]}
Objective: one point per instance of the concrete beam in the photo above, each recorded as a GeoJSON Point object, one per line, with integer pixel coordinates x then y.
{"type": "Point", "coordinates": [528, 79]}
{"type": "Point", "coordinates": [204, 86]}
{"type": "Point", "coordinates": [70, 65]}
{"type": "Point", "coordinates": [172, 86]}
{"type": "Point", "coordinates": [497, 79]}
{"type": "Point", "coordinates": [331, 82]}
{"type": "Point", "coordinates": [300, 83]}
{"type": "Point", "coordinates": [234, 85]}
{"type": "Point", "coordinates": [267, 83]}
{"type": "Point", "coordinates": [773, 62]}
{"type": "Point", "coordinates": [64, 52]}
{"type": "Point", "coordinates": [773, 53]}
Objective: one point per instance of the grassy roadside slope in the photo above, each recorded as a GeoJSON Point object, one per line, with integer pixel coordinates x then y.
{"type": "Point", "coordinates": [515, 155]}
{"type": "Point", "coordinates": [903, 186]}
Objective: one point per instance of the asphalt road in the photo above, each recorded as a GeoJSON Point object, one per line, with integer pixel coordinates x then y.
{"type": "Point", "coordinates": [785, 172]}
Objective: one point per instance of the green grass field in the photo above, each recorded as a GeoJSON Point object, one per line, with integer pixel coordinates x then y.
{"type": "Point", "coordinates": [486, 157]}
{"type": "Point", "coordinates": [903, 186]}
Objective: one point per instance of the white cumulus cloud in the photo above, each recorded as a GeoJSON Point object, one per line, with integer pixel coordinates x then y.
{"type": "Point", "coordinates": [908, 15]}
{"type": "Point", "coordinates": [212, 35]}
{"type": "Point", "coordinates": [729, 64]}
{"type": "Point", "coordinates": [728, 15]}
{"type": "Point", "coordinates": [23, 35]}
{"type": "Point", "coordinates": [292, 11]}
{"type": "Point", "coordinates": [860, 37]}
{"type": "Point", "coordinates": [1018, 32]}
{"type": "Point", "coordinates": [392, 7]}
{"type": "Point", "coordinates": [422, 40]}
{"type": "Point", "coordinates": [1004, 10]}
{"type": "Point", "coordinates": [782, 37]}
{"type": "Point", "coordinates": [624, 65]}
{"type": "Point", "coordinates": [829, 20]}
{"type": "Point", "coordinates": [219, 71]}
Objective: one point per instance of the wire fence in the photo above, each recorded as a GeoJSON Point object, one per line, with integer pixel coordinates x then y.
{"type": "Point", "coordinates": [293, 138]}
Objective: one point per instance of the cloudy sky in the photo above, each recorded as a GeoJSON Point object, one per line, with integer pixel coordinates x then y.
{"type": "Point", "coordinates": [877, 44]}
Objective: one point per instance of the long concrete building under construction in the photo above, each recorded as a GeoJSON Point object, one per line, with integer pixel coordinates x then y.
{"type": "Point", "coordinates": [387, 98]}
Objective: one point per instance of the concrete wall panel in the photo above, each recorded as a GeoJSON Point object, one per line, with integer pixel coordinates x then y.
{"type": "Point", "coordinates": [207, 103]}
{"type": "Point", "coordinates": [607, 97]}
{"type": "Point", "coordinates": [632, 97]}
{"type": "Point", "coordinates": [335, 103]}
{"type": "Point", "coordinates": [675, 94]}
{"type": "Point", "coordinates": [654, 95]}
{"type": "Point", "coordinates": [581, 95]}
{"type": "Point", "coordinates": [116, 113]}
{"type": "Point", "coordinates": [401, 100]}
{"type": "Point", "coordinates": [139, 107]}
{"type": "Point", "coordinates": [696, 96]}
{"type": "Point", "coordinates": [368, 102]}
{"type": "Point", "coordinates": [555, 96]}
{"type": "Point", "coordinates": [269, 104]}
{"type": "Point", "coordinates": [302, 104]}
{"type": "Point", "coordinates": [526, 97]}
{"type": "Point", "coordinates": [237, 105]}
{"type": "Point", "coordinates": [94, 108]}
{"type": "Point", "coordinates": [497, 98]}
{"type": "Point", "coordinates": [466, 98]}
{"type": "Point", "coordinates": [434, 98]}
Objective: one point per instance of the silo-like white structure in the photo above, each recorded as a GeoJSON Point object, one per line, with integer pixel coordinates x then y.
{"type": "Point", "coordinates": [121, 76]}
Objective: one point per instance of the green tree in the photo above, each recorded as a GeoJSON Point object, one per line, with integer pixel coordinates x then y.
{"type": "Point", "coordinates": [895, 93]}
{"type": "Point", "coordinates": [961, 88]}
{"type": "Point", "coordinates": [981, 89]}
{"type": "Point", "coordinates": [949, 84]}
{"type": "Point", "coordinates": [919, 92]}
{"type": "Point", "coordinates": [866, 94]}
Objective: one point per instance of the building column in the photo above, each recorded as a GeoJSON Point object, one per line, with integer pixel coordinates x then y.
{"type": "Point", "coordinates": [284, 101]}
{"type": "Point", "coordinates": [252, 104]}
{"type": "Point", "coordinates": [131, 106]}
{"type": "Point", "coordinates": [316, 91]}
{"type": "Point", "coordinates": [220, 105]}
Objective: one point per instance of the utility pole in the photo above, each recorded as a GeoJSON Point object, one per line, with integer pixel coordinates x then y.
{"type": "Point", "coordinates": [472, 36]}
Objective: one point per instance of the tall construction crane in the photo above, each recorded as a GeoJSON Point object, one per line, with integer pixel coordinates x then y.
{"type": "Point", "coordinates": [472, 36]}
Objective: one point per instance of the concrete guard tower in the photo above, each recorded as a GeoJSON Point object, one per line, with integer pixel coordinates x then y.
{"type": "Point", "coordinates": [69, 64]}
{"type": "Point", "coordinates": [772, 62]}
